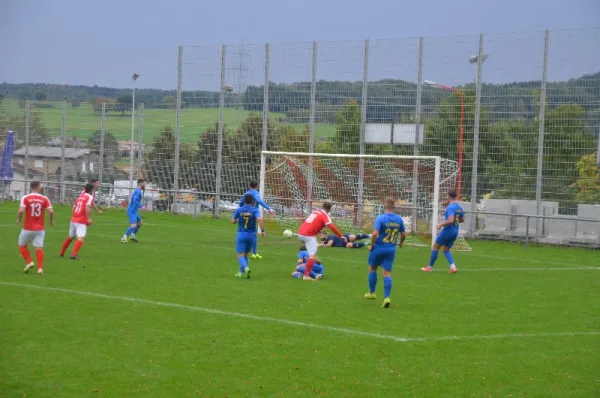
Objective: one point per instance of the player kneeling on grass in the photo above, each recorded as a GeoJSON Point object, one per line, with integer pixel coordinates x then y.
{"type": "Point", "coordinates": [388, 227]}
{"type": "Point", "coordinates": [303, 256]}
{"type": "Point", "coordinates": [349, 241]}
{"type": "Point", "coordinates": [34, 206]}
{"type": "Point", "coordinates": [246, 218]}
{"type": "Point", "coordinates": [308, 231]}
{"type": "Point", "coordinates": [448, 234]}
{"type": "Point", "coordinates": [80, 219]}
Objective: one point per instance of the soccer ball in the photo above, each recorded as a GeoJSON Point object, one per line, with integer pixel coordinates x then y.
{"type": "Point", "coordinates": [287, 233]}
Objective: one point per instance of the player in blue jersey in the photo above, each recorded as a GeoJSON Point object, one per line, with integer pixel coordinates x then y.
{"type": "Point", "coordinates": [135, 221]}
{"type": "Point", "coordinates": [253, 190]}
{"type": "Point", "coordinates": [448, 234]}
{"type": "Point", "coordinates": [349, 241]}
{"type": "Point", "coordinates": [246, 217]}
{"type": "Point", "coordinates": [388, 228]}
{"type": "Point", "coordinates": [303, 255]}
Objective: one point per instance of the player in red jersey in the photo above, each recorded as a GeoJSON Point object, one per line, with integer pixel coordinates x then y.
{"type": "Point", "coordinates": [34, 206]}
{"type": "Point", "coordinates": [96, 183]}
{"type": "Point", "coordinates": [308, 231]}
{"type": "Point", "coordinates": [80, 219]}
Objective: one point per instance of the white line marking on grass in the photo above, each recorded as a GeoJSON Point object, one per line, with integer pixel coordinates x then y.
{"type": "Point", "coordinates": [299, 323]}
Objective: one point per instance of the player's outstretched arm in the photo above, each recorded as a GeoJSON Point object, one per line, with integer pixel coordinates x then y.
{"type": "Point", "coordinates": [374, 236]}
{"type": "Point", "coordinates": [402, 238]}
{"type": "Point", "coordinates": [259, 200]}
{"type": "Point", "coordinates": [334, 229]}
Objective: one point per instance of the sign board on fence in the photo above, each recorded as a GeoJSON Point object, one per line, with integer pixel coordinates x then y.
{"type": "Point", "coordinates": [396, 133]}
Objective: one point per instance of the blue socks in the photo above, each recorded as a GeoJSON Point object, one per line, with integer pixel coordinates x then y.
{"type": "Point", "coordinates": [129, 231]}
{"type": "Point", "coordinates": [136, 229]}
{"type": "Point", "coordinates": [434, 256]}
{"type": "Point", "coordinates": [449, 257]}
{"type": "Point", "coordinates": [243, 263]}
{"type": "Point", "coordinates": [358, 245]}
{"type": "Point", "coordinates": [387, 286]}
{"type": "Point", "coordinates": [254, 246]}
{"type": "Point", "coordinates": [372, 281]}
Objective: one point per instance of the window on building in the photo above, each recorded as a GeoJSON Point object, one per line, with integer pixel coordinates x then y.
{"type": "Point", "coordinates": [38, 164]}
{"type": "Point", "coordinates": [91, 167]}
{"type": "Point", "coordinates": [83, 167]}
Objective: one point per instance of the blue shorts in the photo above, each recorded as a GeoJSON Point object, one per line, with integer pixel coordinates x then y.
{"type": "Point", "coordinates": [244, 242]}
{"type": "Point", "coordinates": [382, 256]}
{"type": "Point", "coordinates": [446, 238]}
{"type": "Point", "coordinates": [134, 218]}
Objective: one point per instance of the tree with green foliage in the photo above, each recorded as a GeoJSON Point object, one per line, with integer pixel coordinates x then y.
{"type": "Point", "coordinates": [124, 103]}
{"type": "Point", "coordinates": [347, 130]}
{"type": "Point", "coordinates": [111, 146]}
{"type": "Point", "coordinates": [588, 183]}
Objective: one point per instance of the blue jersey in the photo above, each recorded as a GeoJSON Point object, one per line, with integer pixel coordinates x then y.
{"type": "Point", "coordinates": [453, 209]}
{"type": "Point", "coordinates": [257, 199]}
{"type": "Point", "coordinates": [136, 201]}
{"type": "Point", "coordinates": [390, 226]}
{"type": "Point", "coordinates": [303, 255]}
{"type": "Point", "coordinates": [246, 217]}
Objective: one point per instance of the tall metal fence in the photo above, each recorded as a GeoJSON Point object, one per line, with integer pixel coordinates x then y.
{"type": "Point", "coordinates": [520, 113]}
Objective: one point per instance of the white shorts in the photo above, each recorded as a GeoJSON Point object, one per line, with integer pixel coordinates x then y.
{"type": "Point", "coordinates": [35, 237]}
{"type": "Point", "coordinates": [76, 229]}
{"type": "Point", "coordinates": [310, 242]}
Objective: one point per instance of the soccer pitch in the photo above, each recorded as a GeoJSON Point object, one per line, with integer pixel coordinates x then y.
{"type": "Point", "coordinates": [166, 317]}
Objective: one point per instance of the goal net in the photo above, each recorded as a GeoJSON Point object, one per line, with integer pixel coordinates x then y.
{"type": "Point", "coordinates": [295, 184]}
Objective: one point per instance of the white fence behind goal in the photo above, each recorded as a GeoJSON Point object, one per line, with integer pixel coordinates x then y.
{"type": "Point", "coordinates": [295, 184]}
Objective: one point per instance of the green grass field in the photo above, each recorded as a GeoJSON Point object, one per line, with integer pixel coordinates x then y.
{"type": "Point", "coordinates": [82, 122]}
{"type": "Point", "coordinates": [166, 317]}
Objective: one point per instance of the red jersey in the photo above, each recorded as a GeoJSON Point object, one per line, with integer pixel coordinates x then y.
{"type": "Point", "coordinates": [93, 195]}
{"type": "Point", "coordinates": [315, 223]}
{"type": "Point", "coordinates": [80, 207]}
{"type": "Point", "coordinates": [35, 205]}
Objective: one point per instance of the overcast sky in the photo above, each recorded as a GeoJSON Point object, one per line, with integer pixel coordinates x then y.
{"type": "Point", "coordinates": [103, 42]}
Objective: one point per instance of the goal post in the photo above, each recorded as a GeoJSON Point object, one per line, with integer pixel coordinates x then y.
{"type": "Point", "coordinates": [295, 183]}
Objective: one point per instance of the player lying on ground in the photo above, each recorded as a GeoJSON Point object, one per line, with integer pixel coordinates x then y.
{"type": "Point", "coordinates": [349, 241]}
{"type": "Point", "coordinates": [34, 206]}
{"type": "Point", "coordinates": [246, 217]}
{"type": "Point", "coordinates": [317, 271]}
{"type": "Point", "coordinates": [253, 190]}
{"type": "Point", "coordinates": [449, 232]}
{"type": "Point", "coordinates": [135, 221]}
{"type": "Point", "coordinates": [81, 217]}
{"type": "Point", "coordinates": [388, 227]}
{"type": "Point", "coordinates": [308, 231]}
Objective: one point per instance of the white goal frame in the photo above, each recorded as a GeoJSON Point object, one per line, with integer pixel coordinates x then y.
{"type": "Point", "coordinates": [361, 158]}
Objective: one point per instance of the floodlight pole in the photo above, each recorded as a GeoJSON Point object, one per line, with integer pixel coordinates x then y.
{"type": "Point", "coordinates": [461, 129]}
{"type": "Point", "coordinates": [134, 77]}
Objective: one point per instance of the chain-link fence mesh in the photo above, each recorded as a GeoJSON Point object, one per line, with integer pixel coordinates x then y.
{"type": "Point", "coordinates": [411, 96]}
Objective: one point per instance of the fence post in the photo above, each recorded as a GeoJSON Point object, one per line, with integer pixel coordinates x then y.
{"type": "Point", "coordinates": [219, 167]}
{"type": "Point", "coordinates": [311, 124]}
{"type": "Point", "coordinates": [417, 149]}
{"type": "Point", "coordinates": [141, 142]}
{"type": "Point", "coordinates": [363, 120]}
{"type": "Point", "coordinates": [540, 154]}
{"type": "Point", "coordinates": [63, 139]}
{"type": "Point", "coordinates": [26, 161]}
{"type": "Point", "coordinates": [476, 134]}
{"type": "Point", "coordinates": [265, 124]}
{"type": "Point", "coordinates": [177, 128]}
{"type": "Point", "coordinates": [101, 153]}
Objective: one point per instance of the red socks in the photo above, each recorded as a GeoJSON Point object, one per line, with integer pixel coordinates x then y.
{"type": "Point", "coordinates": [25, 253]}
{"type": "Point", "coordinates": [78, 245]}
{"type": "Point", "coordinates": [39, 255]}
{"type": "Point", "coordinates": [309, 266]}
{"type": "Point", "coordinates": [65, 246]}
